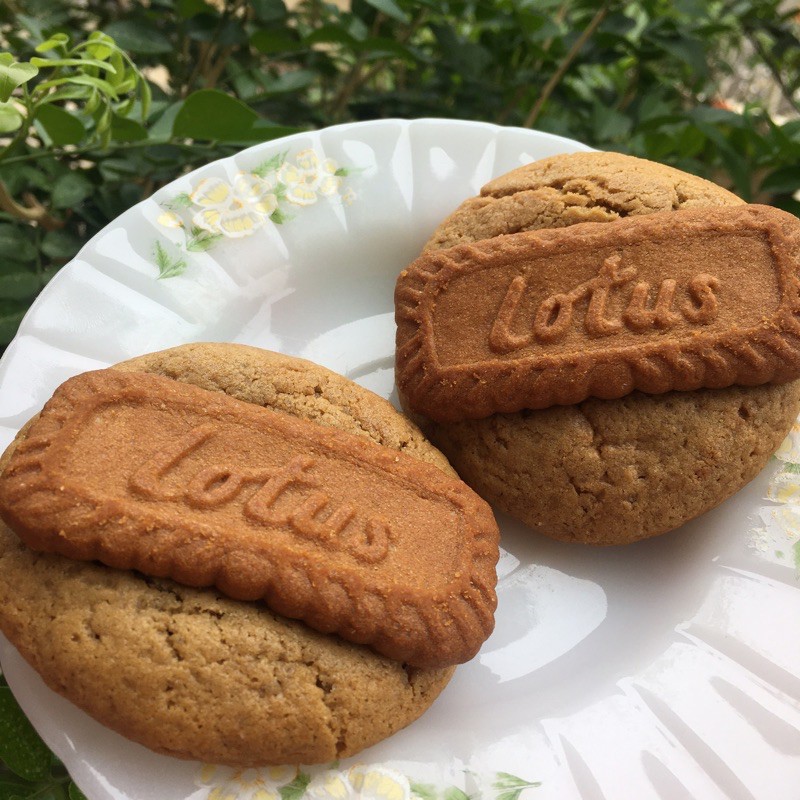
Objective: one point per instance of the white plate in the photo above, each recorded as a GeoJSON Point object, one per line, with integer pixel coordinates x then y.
{"type": "Point", "coordinates": [658, 671]}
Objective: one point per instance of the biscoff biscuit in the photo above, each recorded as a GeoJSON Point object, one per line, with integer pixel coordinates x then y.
{"type": "Point", "coordinates": [320, 524]}
{"type": "Point", "coordinates": [674, 300]}
{"type": "Point", "coordinates": [193, 674]}
{"type": "Point", "coordinates": [607, 471]}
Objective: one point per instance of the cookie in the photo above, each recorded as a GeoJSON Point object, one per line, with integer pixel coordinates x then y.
{"type": "Point", "coordinates": [607, 471]}
{"type": "Point", "coordinates": [189, 672]}
{"type": "Point", "coordinates": [689, 299]}
{"type": "Point", "coordinates": [320, 524]}
{"type": "Point", "coordinates": [580, 187]}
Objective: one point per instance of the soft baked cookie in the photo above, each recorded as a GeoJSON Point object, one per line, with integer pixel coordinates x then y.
{"type": "Point", "coordinates": [188, 672]}
{"type": "Point", "coordinates": [579, 187]}
{"type": "Point", "coordinates": [607, 471]}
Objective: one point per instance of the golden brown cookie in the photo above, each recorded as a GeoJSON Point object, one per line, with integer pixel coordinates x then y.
{"type": "Point", "coordinates": [188, 672]}
{"type": "Point", "coordinates": [143, 472]}
{"type": "Point", "coordinates": [607, 471]}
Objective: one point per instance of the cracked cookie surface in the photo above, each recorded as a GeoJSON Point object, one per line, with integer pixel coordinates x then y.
{"type": "Point", "coordinates": [581, 187]}
{"type": "Point", "coordinates": [544, 467]}
{"type": "Point", "coordinates": [195, 675]}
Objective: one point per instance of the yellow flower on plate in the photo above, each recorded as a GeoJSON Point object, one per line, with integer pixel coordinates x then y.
{"type": "Point", "coordinates": [228, 783]}
{"type": "Point", "coordinates": [233, 210]}
{"type": "Point", "coordinates": [169, 219]}
{"type": "Point", "coordinates": [359, 783]}
{"type": "Point", "coordinates": [309, 177]}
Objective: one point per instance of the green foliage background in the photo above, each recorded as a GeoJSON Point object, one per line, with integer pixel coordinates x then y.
{"type": "Point", "coordinates": [103, 102]}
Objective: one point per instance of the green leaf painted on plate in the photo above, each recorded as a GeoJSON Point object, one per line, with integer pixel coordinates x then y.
{"type": "Point", "coordinates": [454, 793]}
{"type": "Point", "coordinates": [297, 788]}
{"type": "Point", "coordinates": [792, 468]}
{"type": "Point", "coordinates": [168, 266]}
{"type": "Point", "coordinates": [280, 217]}
{"type": "Point", "coordinates": [182, 200]}
{"type": "Point", "coordinates": [199, 241]}
{"type": "Point", "coordinates": [425, 791]}
{"type": "Point", "coordinates": [510, 787]}
{"type": "Point", "coordinates": [796, 551]}
{"type": "Point", "coordinates": [270, 165]}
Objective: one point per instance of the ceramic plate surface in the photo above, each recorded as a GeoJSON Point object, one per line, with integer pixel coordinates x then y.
{"type": "Point", "coordinates": [664, 670]}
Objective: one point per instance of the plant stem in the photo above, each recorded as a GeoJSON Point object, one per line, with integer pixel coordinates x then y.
{"type": "Point", "coordinates": [555, 79]}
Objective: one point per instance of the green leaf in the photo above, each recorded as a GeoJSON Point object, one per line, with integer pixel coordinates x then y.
{"type": "Point", "coordinates": [425, 791]}
{"type": "Point", "coordinates": [9, 323]}
{"type": "Point", "coordinates": [75, 793]}
{"type": "Point", "coordinates": [784, 180]}
{"type": "Point", "coordinates": [283, 41]}
{"type": "Point", "coordinates": [168, 267]}
{"type": "Point", "coordinates": [13, 74]}
{"type": "Point", "coordinates": [21, 748]}
{"type": "Point", "coordinates": [390, 8]}
{"type": "Point", "coordinates": [55, 41]}
{"type": "Point", "coordinates": [80, 80]}
{"type": "Point", "coordinates": [146, 95]}
{"type": "Point", "coordinates": [10, 118]}
{"type": "Point", "coordinates": [269, 10]}
{"type": "Point", "coordinates": [796, 552]}
{"type": "Point", "coordinates": [72, 62]}
{"type": "Point", "coordinates": [138, 37]}
{"type": "Point", "coordinates": [118, 63]}
{"type": "Point", "coordinates": [71, 189]}
{"type": "Point", "coordinates": [297, 788]}
{"type": "Point", "coordinates": [331, 34]}
{"type": "Point", "coordinates": [792, 468]}
{"type": "Point", "coordinates": [126, 130]}
{"type": "Point", "coordinates": [272, 164]}
{"type": "Point", "coordinates": [280, 217]}
{"type": "Point", "coordinates": [211, 114]}
{"type": "Point", "coordinates": [511, 787]}
{"type": "Point", "coordinates": [162, 127]}
{"type": "Point", "coordinates": [454, 793]}
{"type": "Point", "coordinates": [201, 240]}
{"type": "Point", "coordinates": [178, 202]}
{"type": "Point", "coordinates": [190, 8]}
{"type": "Point", "coordinates": [15, 244]}
{"type": "Point", "coordinates": [263, 130]}
{"type": "Point", "coordinates": [60, 245]}
{"type": "Point", "coordinates": [67, 93]}
{"type": "Point", "coordinates": [60, 126]}
{"type": "Point", "coordinates": [290, 81]}
{"type": "Point", "coordinates": [12, 786]}
{"type": "Point", "coordinates": [20, 285]}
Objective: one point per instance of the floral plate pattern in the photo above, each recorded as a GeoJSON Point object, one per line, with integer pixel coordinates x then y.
{"type": "Point", "coordinates": [661, 670]}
